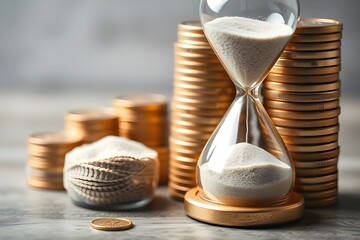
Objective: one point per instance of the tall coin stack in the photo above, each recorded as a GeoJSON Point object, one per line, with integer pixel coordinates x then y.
{"type": "Point", "coordinates": [202, 94]}
{"type": "Point", "coordinates": [92, 124]}
{"type": "Point", "coordinates": [46, 155]}
{"type": "Point", "coordinates": [301, 95]}
{"type": "Point", "coordinates": [144, 118]}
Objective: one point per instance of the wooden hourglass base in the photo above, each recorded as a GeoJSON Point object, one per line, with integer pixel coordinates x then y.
{"type": "Point", "coordinates": [198, 208]}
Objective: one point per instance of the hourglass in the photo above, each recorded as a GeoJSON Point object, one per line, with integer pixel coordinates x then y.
{"type": "Point", "coordinates": [244, 174]}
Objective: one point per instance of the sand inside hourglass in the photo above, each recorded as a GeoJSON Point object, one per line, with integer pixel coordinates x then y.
{"type": "Point", "coordinates": [244, 171]}
{"type": "Point", "coordinates": [247, 46]}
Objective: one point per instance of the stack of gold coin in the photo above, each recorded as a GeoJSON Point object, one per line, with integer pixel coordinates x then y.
{"type": "Point", "coordinates": [202, 93]}
{"type": "Point", "coordinates": [92, 124]}
{"type": "Point", "coordinates": [144, 118]}
{"type": "Point", "coordinates": [301, 95]}
{"type": "Point", "coordinates": [46, 154]}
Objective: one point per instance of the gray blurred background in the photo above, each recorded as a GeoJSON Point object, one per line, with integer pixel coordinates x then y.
{"type": "Point", "coordinates": [63, 54]}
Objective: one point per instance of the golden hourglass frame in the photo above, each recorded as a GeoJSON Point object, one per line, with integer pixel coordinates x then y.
{"type": "Point", "coordinates": [244, 174]}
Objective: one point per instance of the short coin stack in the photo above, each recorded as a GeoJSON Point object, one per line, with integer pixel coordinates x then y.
{"type": "Point", "coordinates": [202, 94]}
{"type": "Point", "coordinates": [46, 154]}
{"type": "Point", "coordinates": [144, 118]}
{"type": "Point", "coordinates": [301, 95]}
{"type": "Point", "coordinates": [92, 124]}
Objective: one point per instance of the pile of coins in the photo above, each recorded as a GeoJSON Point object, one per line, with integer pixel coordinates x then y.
{"type": "Point", "coordinates": [46, 154]}
{"type": "Point", "coordinates": [144, 118]}
{"type": "Point", "coordinates": [202, 93]}
{"type": "Point", "coordinates": [92, 124]}
{"type": "Point", "coordinates": [301, 95]}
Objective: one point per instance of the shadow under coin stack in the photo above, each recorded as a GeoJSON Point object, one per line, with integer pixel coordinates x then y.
{"type": "Point", "coordinates": [144, 118]}
{"type": "Point", "coordinates": [46, 155]}
{"type": "Point", "coordinates": [202, 94]}
{"type": "Point", "coordinates": [92, 124]}
{"type": "Point", "coordinates": [301, 95]}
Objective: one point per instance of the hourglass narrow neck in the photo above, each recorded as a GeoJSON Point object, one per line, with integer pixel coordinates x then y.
{"type": "Point", "coordinates": [253, 92]}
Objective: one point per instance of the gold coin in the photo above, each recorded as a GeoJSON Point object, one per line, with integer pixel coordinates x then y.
{"type": "Point", "coordinates": [188, 161]}
{"type": "Point", "coordinates": [317, 180]}
{"type": "Point", "coordinates": [300, 97]}
{"type": "Point", "coordinates": [56, 139]}
{"type": "Point", "coordinates": [199, 67]}
{"type": "Point", "coordinates": [200, 104]}
{"type": "Point", "coordinates": [202, 89]}
{"type": "Point", "coordinates": [205, 58]}
{"type": "Point", "coordinates": [111, 224]}
{"type": "Point", "coordinates": [304, 132]}
{"type": "Point", "coordinates": [194, 96]}
{"type": "Point", "coordinates": [203, 65]}
{"type": "Point", "coordinates": [310, 140]}
{"type": "Point", "coordinates": [176, 172]}
{"type": "Point", "coordinates": [85, 127]}
{"type": "Point", "coordinates": [186, 149]}
{"type": "Point", "coordinates": [324, 46]}
{"type": "Point", "coordinates": [92, 116]}
{"type": "Point", "coordinates": [302, 87]}
{"type": "Point", "coordinates": [319, 106]}
{"type": "Point", "coordinates": [191, 26]}
{"type": "Point", "coordinates": [312, 148]}
{"type": "Point", "coordinates": [145, 102]}
{"type": "Point", "coordinates": [330, 37]}
{"type": "Point", "coordinates": [50, 152]}
{"type": "Point", "coordinates": [191, 36]}
{"type": "Point", "coordinates": [45, 162]}
{"type": "Point", "coordinates": [316, 187]}
{"type": "Point", "coordinates": [44, 184]}
{"type": "Point", "coordinates": [193, 41]}
{"type": "Point", "coordinates": [206, 92]}
{"type": "Point", "coordinates": [196, 119]}
{"type": "Point", "coordinates": [319, 195]}
{"type": "Point", "coordinates": [54, 175]}
{"type": "Point", "coordinates": [186, 72]}
{"type": "Point", "coordinates": [312, 172]}
{"type": "Point", "coordinates": [314, 79]}
{"type": "Point", "coordinates": [219, 82]}
{"type": "Point", "coordinates": [183, 160]}
{"type": "Point", "coordinates": [148, 127]}
{"type": "Point", "coordinates": [180, 47]}
{"type": "Point", "coordinates": [177, 130]}
{"type": "Point", "coordinates": [177, 108]}
{"type": "Point", "coordinates": [318, 26]}
{"type": "Point", "coordinates": [298, 156]}
{"type": "Point", "coordinates": [193, 126]}
{"type": "Point", "coordinates": [179, 187]}
{"type": "Point", "coordinates": [190, 154]}
{"type": "Point", "coordinates": [281, 62]}
{"type": "Point", "coordinates": [295, 55]}
{"type": "Point", "coordinates": [303, 115]}
{"type": "Point", "coordinates": [183, 167]}
{"type": "Point", "coordinates": [133, 115]}
{"type": "Point", "coordinates": [181, 181]}
{"type": "Point", "coordinates": [207, 101]}
{"type": "Point", "coordinates": [280, 122]}
{"type": "Point", "coordinates": [306, 70]}
{"type": "Point", "coordinates": [315, 164]}
{"type": "Point", "coordinates": [319, 203]}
